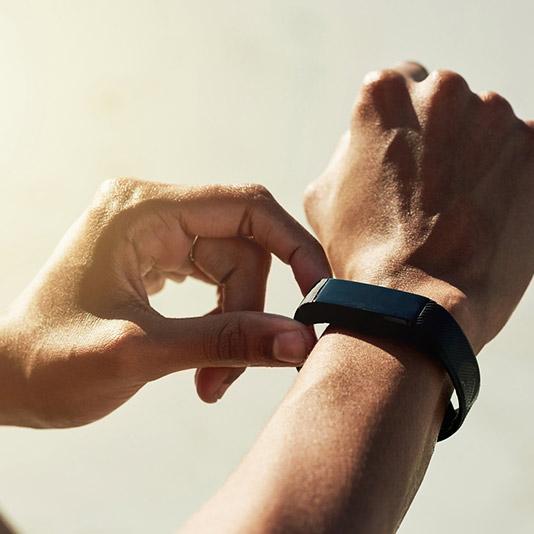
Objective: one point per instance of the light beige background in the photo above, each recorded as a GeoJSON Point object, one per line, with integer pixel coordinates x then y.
{"type": "Point", "coordinates": [224, 91]}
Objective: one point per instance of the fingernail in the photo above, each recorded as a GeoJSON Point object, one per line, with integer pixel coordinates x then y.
{"type": "Point", "coordinates": [290, 347]}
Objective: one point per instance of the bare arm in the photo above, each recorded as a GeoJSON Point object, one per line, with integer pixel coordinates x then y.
{"type": "Point", "coordinates": [431, 191]}
{"type": "Point", "coordinates": [326, 461]}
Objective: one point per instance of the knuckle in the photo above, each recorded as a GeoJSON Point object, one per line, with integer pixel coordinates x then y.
{"type": "Point", "coordinates": [257, 193]}
{"type": "Point", "coordinates": [230, 340]}
{"type": "Point", "coordinates": [113, 186]}
{"type": "Point", "coordinates": [361, 110]}
{"type": "Point", "coordinates": [377, 88]}
{"type": "Point", "coordinates": [378, 78]}
{"type": "Point", "coordinates": [496, 102]}
{"type": "Point", "coordinates": [115, 190]}
{"type": "Point", "coordinates": [447, 82]}
{"type": "Point", "coordinates": [376, 82]}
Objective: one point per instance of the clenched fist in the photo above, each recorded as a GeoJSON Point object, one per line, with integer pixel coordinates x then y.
{"type": "Point", "coordinates": [432, 191]}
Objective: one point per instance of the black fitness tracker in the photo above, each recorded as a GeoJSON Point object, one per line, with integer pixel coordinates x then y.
{"type": "Point", "coordinates": [415, 319]}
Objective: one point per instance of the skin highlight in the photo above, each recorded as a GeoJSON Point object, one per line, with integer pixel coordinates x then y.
{"type": "Point", "coordinates": [430, 191]}
{"type": "Point", "coordinates": [83, 338]}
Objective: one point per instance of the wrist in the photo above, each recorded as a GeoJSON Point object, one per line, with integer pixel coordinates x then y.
{"type": "Point", "coordinates": [447, 295]}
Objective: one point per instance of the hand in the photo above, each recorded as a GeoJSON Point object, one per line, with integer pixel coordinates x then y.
{"type": "Point", "coordinates": [83, 338]}
{"type": "Point", "coordinates": [432, 191]}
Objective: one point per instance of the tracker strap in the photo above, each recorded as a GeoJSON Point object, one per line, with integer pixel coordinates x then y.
{"type": "Point", "coordinates": [386, 312]}
{"type": "Point", "coordinates": [441, 335]}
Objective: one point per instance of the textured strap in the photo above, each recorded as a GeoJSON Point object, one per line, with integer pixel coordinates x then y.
{"type": "Point", "coordinates": [440, 335]}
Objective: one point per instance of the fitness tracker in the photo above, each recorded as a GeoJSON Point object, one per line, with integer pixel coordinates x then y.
{"type": "Point", "coordinates": [376, 310]}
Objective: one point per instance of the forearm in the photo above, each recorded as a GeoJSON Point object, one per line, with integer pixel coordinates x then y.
{"type": "Point", "coordinates": [346, 450]}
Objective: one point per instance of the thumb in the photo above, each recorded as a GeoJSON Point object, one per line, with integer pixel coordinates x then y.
{"type": "Point", "coordinates": [233, 339]}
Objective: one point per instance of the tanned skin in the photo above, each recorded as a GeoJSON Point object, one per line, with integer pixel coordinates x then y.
{"type": "Point", "coordinates": [430, 191]}
{"type": "Point", "coordinates": [83, 338]}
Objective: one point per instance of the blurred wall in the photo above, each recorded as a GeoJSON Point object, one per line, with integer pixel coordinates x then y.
{"type": "Point", "coordinates": [226, 91]}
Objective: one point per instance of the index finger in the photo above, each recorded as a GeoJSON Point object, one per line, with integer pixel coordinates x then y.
{"type": "Point", "coordinates": [251, 211]}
